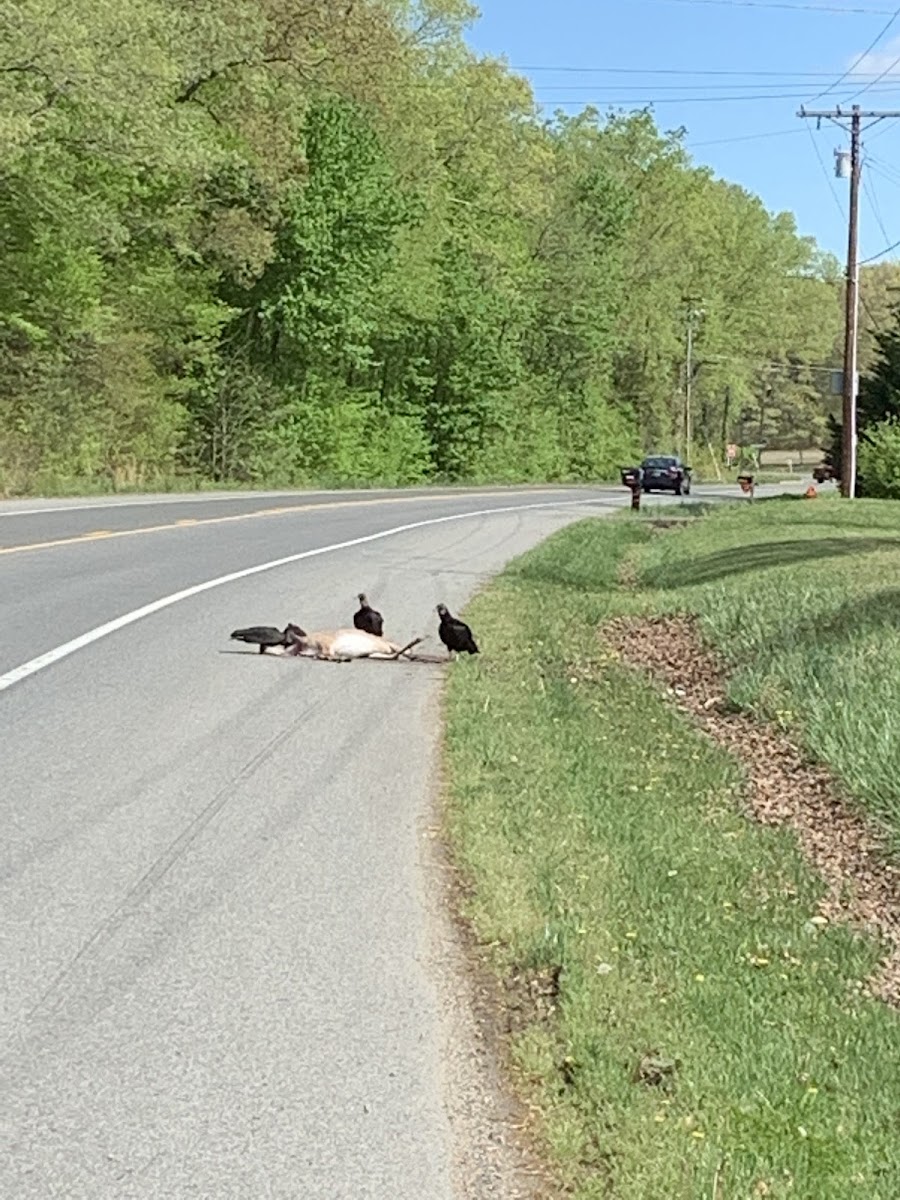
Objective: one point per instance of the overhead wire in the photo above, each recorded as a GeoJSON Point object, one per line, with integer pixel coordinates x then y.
{"type": "Point", "coordinates": [887, 170]}
{"type": "Point", "coordinates": [780, 4]}
{"type": "Point", "coordinates": [880, 254]}
{"type": "Point", "coordinates": [874, 322]}
{"type": "Point", "coordinates": [691, 85]}
{"type": "Point", "coordinates": [652, 101]}
{"type": "Point", "coordinates": [569, 69]}
{"type": "Point", "coordinates": [888, 70]}
{"type": "Point", "coordinates": [886, 125]}
{"type": "Point", "coordinates": [717, 93]}
{"type": "Point", "coordinates": [859, 59]}
{"type": "Point", "coordinates": [746, 137]}
{"type": "Point", "coordinates": [828, 178]}
{"type": "Point", "coordinates": [871, 196]}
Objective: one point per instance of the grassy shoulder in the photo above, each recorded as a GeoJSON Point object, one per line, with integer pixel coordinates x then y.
{"type": "Point", "coordinates": [803, 601]}
{"type": "Point", "coordinates": [706, 1040]}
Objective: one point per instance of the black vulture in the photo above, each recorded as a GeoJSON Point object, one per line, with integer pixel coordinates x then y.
{"type": "Point", "coordinates": [367, 618]}
{"type": "Point", "coordinates": [454, 633]}
{"type": "Point", "coordinates": [267, 636]}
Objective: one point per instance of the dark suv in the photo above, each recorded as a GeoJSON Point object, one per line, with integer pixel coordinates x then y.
{"type": "Point", "coordinates": [666, 473]}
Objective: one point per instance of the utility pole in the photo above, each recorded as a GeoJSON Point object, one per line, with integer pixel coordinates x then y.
{"type": "Point", "coordinates": [692, 313]}
{"type": "Point", "coordinates": [851, 317]}
{"type": "Point", "coordinates": [726, 415]}
{"type": "Point", "coordinates": [851, 295]}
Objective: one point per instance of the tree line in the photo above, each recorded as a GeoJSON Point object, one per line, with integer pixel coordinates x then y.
{"type": "Point", "coordinates": [294, 241]}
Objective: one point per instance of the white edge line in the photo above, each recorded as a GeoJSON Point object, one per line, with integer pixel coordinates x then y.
{"type": "Point", "coordinates": [17, 674]}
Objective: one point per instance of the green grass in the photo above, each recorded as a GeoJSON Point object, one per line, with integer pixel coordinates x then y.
{"type": "Point", "coordinates": [804, 601]}
{"type": "Point", "coordinates": [600, 833]}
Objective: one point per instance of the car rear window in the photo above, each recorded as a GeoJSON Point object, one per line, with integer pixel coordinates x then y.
{"type": "Point", "coordinates": [659, 462]}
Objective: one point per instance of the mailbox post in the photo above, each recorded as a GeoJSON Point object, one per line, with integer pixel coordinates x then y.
{"type": "Point", "coordinates": [631, 478]}
{"type": "Point", "coordinates": [748, 484]}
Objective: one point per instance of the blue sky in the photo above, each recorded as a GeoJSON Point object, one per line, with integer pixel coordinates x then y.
{"type": "Point", "coordinates": [805, 47]}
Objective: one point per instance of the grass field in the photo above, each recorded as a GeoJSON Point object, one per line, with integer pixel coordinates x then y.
{"type": "Point", "coordinates": [707, 1040]}
{"type": "Point", "coordinates": [804, 601]}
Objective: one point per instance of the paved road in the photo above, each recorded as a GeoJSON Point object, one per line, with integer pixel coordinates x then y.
{"type": "Point", "coordinates": [215, 954]}
{"type": "Point", "coordinates": [25, 522]}
{"type": "Point", "coordinates": [64, 573]}
{"type": "Point", "coordinates": [214, 946]}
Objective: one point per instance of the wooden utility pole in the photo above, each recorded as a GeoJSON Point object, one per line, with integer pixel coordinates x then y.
{"type": "Point", "coordinates": [851, 297]}
{"type": "Point", "coordinates": [851, 318]}
{"type": "Point", "coordinates": [692, 313]}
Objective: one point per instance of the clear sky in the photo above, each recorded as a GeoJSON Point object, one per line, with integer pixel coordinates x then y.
{"type": "Point", "coordinates": [775, 57]}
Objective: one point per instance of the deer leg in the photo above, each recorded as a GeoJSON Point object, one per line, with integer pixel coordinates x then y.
{"type": "Point", "coordinates": [405, 649]}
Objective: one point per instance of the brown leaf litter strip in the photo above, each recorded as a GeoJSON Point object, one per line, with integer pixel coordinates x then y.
{"type": "Point", "coordinates": [783, 786]}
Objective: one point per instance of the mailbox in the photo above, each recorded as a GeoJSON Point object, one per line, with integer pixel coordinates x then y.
{"type": "Point", "coordinates": [631, 478]}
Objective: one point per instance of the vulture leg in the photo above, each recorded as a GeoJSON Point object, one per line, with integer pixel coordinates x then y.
{"type": "Point", "coordinates": [262, 649]}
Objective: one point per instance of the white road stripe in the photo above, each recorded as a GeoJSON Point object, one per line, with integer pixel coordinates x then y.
{"type": "Point", "coordinates": [17, 674]}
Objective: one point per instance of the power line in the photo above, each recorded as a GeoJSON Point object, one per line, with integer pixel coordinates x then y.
{"type": "Point", "coordinates": [656, 100]}
{"type": "Point", "coordinates": [885, 170]}
{"type": "Point", "coordinates": [880, 254]}
{"type": "Point", "coordinates": [887, 167]}
{"type": "Point", "coordinates": [857, 61]}
{"type": "Point", "coordinates": [769, 362]}
{"type": "Point", "coordinates": [886, 128]}
{"type": "Point", "coordinates": [818, 8]}
{"type": "Point", "coordinates": [875, 207]}
{"type": "Point", "coordinates": [874, 322]}
{"type": "Point", "coordinates": [746, 137]}
{"type": "Point", "coordinates": [568, 69]}
{"type": "Point", "coordinates": [761, 88]}
{"type": "Point", "coordinates": [828, 178]}
{"type": "Point", "coordinates": [887, 71]}
{"type": "Point", "coordinates": [872, 197]}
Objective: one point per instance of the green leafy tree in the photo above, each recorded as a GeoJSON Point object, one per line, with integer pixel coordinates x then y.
{"type": "Point", "coordinates": [293, 241]}
{"type": "Point", "coordinates": [879, 459]}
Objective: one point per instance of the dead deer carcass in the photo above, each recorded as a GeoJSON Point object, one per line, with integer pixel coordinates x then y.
{"type": "Point", "coordinates": [342, 645]}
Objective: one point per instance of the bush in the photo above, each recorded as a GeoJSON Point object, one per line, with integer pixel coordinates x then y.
{"type": "Point", "coordinates": [879, 460]}
{"type": "Point", "coordinates": [340, 438]}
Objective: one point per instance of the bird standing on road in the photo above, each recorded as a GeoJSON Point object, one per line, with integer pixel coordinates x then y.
{"type": "Point", "coordinates": [367, 618]}
{"type": "Point", "coordinates": [267, 636]}
{"type": "Point", "coordinates": [454, 633]}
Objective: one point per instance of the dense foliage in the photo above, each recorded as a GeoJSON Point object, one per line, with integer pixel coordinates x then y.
{"type": "Point", "coordinates": [286, 241]}
{"type": "Point", "coordinates": [877, 415]}
{"type": "Point", "coordinates": [879, 460]}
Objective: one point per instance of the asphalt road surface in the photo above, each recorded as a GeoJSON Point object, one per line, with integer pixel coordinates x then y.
{"type": "Point", "coordinates": [216, 974]}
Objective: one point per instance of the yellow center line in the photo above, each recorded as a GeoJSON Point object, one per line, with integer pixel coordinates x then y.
{"type": "Point", "coordinates": [191, 522]}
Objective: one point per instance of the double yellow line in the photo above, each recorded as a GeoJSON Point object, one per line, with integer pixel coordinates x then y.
{"type": "Point", "coordinates": [98, 535]}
